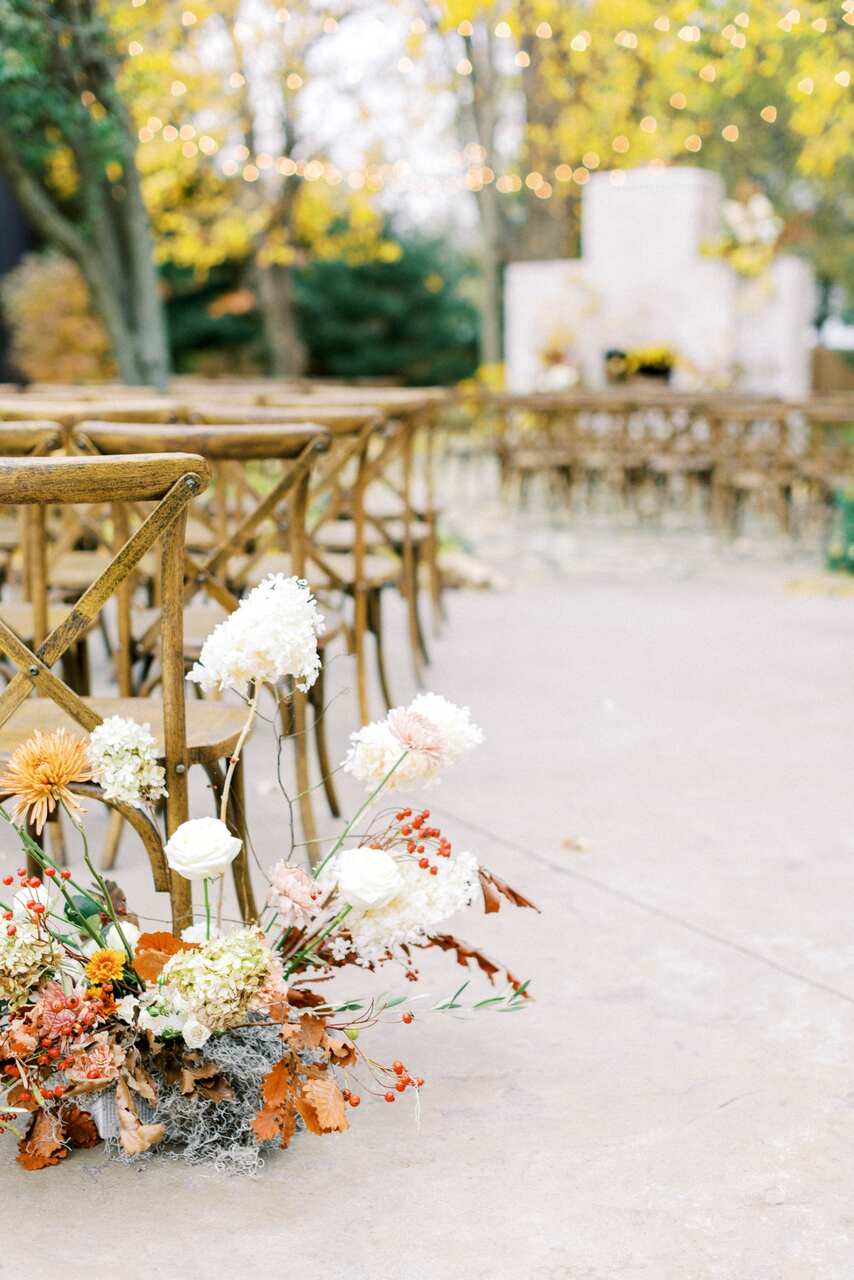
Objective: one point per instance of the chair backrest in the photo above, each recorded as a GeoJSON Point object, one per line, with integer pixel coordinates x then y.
{"type": "Point", "coordinates": [169, 480]}
{"type": "Point", "coordinates": [281, 504]}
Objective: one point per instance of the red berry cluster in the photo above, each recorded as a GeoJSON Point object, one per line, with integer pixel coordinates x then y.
{"type": "Point", "coordinates": [418, 836]}
{"type": "Point", "coordinates": [404, 1081]}
{"type": "Point", "coordinates": [26, 881]}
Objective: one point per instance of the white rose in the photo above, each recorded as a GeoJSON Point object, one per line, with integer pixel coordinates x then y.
{"type": "Point", "coordinates": [112, 937]}
{"type": "Point", "coordinates": [368, 878]}
{"type": "Point", "coordinates": [195, 1033]}
{"type": "Point", "coordinates": [202, 849]}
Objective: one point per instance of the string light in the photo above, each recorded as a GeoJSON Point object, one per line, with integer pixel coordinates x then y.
{"type": "Point", "coordinates": [626, 39]}
{"type": "Point", "coordinates": [464, 67]}
{"type": "Point", "coordinates": [591, 159]}
{"type": "Point", "coordinates": [534, 180]}
{"type": "Point", "coordinates": [769, 114]}
{"type": "Point", "coordinates": [134, 48]}
{"type": "Point", "coordinates": [729, 133]}
{"type": "Point", "coordinates": [522, 59]}
{"type": "Point", "coordinates": [621, 144]}
{"type": "Point", "coordinates": [662, 23]}
{"type": "Point", "coordinates": [543, 191]}
{"type": "Point", "coordinates": [563, 173]}
{"type": "Point", "coordinates": [581, 42]}
{"type": "Point", "coordinates": [843, 78]}
{"type": "Point", "coordinates": [581, 176]}
{"type": "Point", "coordinates": [544, 31]}
{"type": "Point", "coordinates": [679, 101]}
{"type": "Point", "coordinates": [465, 28]}
{"type": "Point", "coordinates": [503, 31]}
{"type": "Point", "coordinates": [649, 124]}
{"type": "Point", "coordinates": [708, 73]}
{"type": "Point", "coordinates": [693, 142]}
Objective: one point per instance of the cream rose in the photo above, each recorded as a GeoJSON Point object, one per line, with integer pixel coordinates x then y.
{"type": "Point", "coordinates": [202, 849]}
{"type": "Point", "coordinates": [367, 878]}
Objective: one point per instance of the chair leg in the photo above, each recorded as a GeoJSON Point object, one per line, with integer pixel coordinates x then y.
{"type": "Point", "coordinates": [240, 867]}
{"type": "Point", "coordinates": [375, 623]}
{"type": "Point", "coordinates": [115, 828]}
{"type": "Point", "coordinates": [236, 817]}
{"type": "Point", "coordinates": [57, 839]}
{"type": "Point", "coordinates": [316, 698]}
{"type": "Point", "coordinates": [306, 807]}
{"type": "Point", "coordinates": [360, 623]}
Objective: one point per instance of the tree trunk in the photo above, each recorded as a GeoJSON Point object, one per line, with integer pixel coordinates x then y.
{"type": "Point", "coordinates": [147, 306]}
{"type": "Point", "coordinates": [108, 305]}
{"type": "Point", "coordinates": [288, 356]}
{"type": "Point", "coordinates": [492, 278]}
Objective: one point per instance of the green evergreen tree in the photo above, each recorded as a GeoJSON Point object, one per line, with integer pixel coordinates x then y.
{"type": "Point", "coordinates": [407, 319]}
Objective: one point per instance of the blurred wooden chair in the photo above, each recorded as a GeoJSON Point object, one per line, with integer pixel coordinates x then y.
{"type": "Point", "coordinates": [186, 734]}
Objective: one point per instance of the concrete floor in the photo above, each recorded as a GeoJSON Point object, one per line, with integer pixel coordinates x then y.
{"type": "Point", "coordinates": [668, 773]}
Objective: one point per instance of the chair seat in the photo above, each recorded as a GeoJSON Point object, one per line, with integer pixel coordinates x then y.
{"type": "Point", "coordinates": [10, 533]}
{"type": "Point", "coordinates": [212, 727]}
{"type": "Point", "coordinates": [76, 570]}
{"type": "Point", "coordinates": [18, 614]}
{"type": "Point", "coordinates": [340, 535]}
{"type": "Point", "coordinates": [200, 620]}
{"type": "Point", "coordinates": [379, 571]}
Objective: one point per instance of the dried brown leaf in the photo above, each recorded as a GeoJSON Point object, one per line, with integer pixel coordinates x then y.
{"type": "Point", "coordinates": [313, 1030]}
{"type": "Point", "coordinates": [78, 1128]}
{"type": "Point", "coordinates": [265, 1125]}
{"type": "Point", "coordinates": [134, 1136]}
{"type": "Point", "coordinates": [494, 889]}
{"type": "Point", "coordinates": [302, 998]}
{"type": "Point", "coordinates": [278, 1083]}
{"type": "Point", "coordinates": [343, 1051]}
{"type": "Point", "coordinates": [328, 1103]}
{"type": "Point", "coordinates": [42, 1144]}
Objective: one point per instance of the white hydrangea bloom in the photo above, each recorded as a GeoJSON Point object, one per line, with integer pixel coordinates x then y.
{"type": "Point", "coordinates": [124, 762]}
{"type": "Point", "coordinates": [422, 902]}
{"type": "Point", "coordinates": [433, 733]}
{"type": "Point", "coordinates": [25, 957]}
{"type": "Point", "coordinates": [272, 633]}
{"type": "Point", "coordinates": [214, 985]}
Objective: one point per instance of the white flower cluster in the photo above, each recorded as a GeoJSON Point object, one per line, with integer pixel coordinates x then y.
{"type": "Point", "coordinates": [419, 903]}
{"type": "Point", "coordinates": [213, 987]}
{"type": "Point", "coordinates": [25, 956]}
{"type": "Point", "coordinates": [752, 221]}
{"type": "Point", "coordinates": [433, 733]}
{"type": "Point", "coordinates": [124, 762]}
{"type": "Point", "coordinates": [271, 634]}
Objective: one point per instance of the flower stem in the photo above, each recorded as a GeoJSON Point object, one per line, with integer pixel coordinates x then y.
{"type": "Point", "coordinates": [305, 952]}
{"type": "Point", "coordinates": [357, 815]}
{"type": "Point", "coordinates": [102, 885]}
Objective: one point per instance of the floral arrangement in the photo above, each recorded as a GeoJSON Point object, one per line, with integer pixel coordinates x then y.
{"type": "Point", "coordinates": [228, 1038]}
{"type": "Point", "coordinates": [751, 234]}
{"type": "Point", "coordinates": [560, 372]}
{"type": "Point", "coordinates": [644, 362]}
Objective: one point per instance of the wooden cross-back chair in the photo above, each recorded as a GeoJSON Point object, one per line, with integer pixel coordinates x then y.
{"type": "Point", "coordinates": [221, 573]}
{"type": "Point", "coordinates": [186, 734]}
{"type": "Point", "coordinates": [374, 507]}
{"type": "Point", "coordinates": [754, 459]}
{"type": "Point", "coordinates": [337, 490]}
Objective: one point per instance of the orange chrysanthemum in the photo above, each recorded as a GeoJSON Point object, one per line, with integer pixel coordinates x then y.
{"type": "Point", "coordinates": [39, 773]}
{"type": "Point", "coordinates": [105, 965]}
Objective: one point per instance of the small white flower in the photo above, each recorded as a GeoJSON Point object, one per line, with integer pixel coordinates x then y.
{"type": "Point", "coordinates": [126, 1008]}
{"type": "Point", "coordinates": [198, 932]}
{"type": "Point", "coordinates": [272, 634]}
{"type": "Point", "coordinates": [113, 939]}
{"type": "Point", "coordinates": [459, 732]}
{"type": "Point", "coordinates": [195, 1033]}
{"type": "Point", "coordinates": [124, 762]}
{"type": "Point", "coordinates": [201, 849]}
{"type": "Point", "coordinates": [367, 878]}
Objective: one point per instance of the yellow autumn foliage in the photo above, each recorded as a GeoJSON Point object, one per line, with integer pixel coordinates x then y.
{"type": "Point", "coordinates": [72, 346]}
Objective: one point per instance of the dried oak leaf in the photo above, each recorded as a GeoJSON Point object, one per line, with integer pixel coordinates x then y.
{"type": "Point", "coordinates": [138, 1077]}
{"type": "Point", "coordinates": [494, 889]}
{"type": "Point", "coordinates": [154, 949]}
{"type": "Point", "coordinates": [343, 1051]}
{"type": "Point", "coordinates": [134, 1136]}
{"type": "Point", "coordinates": [313, 1030]}
{"type": "Point", "coordinates": [278, 1083]}
{"type": "Point", "coordinates": [467, 955]}
{"type": "Point", "coordinates": [78, 1128]}
{"type": "Point", "coordinates": [265, 1125]}
{"type": "Point", "coordinates": [300, 998]}
{"type": "Point", "coordinates": [42, 1144]}
{"type": "Point", "coordinates": [321, 1105]}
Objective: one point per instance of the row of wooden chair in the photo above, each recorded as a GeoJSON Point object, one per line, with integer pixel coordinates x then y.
{"type": "Point", "coordinates": [641, 447]}
{"type": "Point", "coordinates": [287, 490]}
